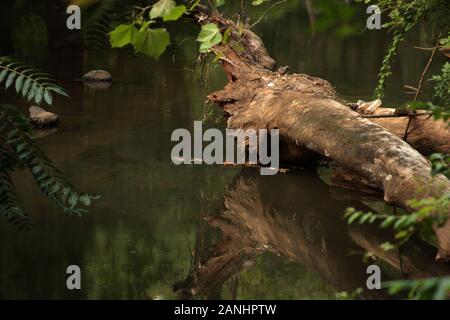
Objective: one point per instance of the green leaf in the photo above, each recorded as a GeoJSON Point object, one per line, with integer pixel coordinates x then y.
{"type": "Point", "coordinates": [10, 80]}
{"type": "Point", "coordinates": [29, 82]}
{"type": "Point", "coordinates": [218, 3]}
{"type": "Point", "coordinates": [122, 35]}
{"type": "Point", "coordinates": [85, 200]}
{"type": "Point", "coordinates": [3, 75]}
{"type": "Point", "coordinates": [39, 95]}
{"type": "Point", "coordinates": [209, 36]}
{"type": "Point", "coordinates": [152, 42]}
{"type": "Point", "coordinates": [48, 97]}
{"type": "Point", "coordinates": [387, 222]}
{"type": "Point", "coordinates": [32, 92]}
{"type": "Point", "coordinates": [162, 8]}
{"type": "Point", "coordinates": [175, 13]}
{"type": "Point", "coordinates": [26, 87]}
{"type": "Point", "coordinates": [58, 90]}
{"type": "Point", "coordinates": [19, 82]}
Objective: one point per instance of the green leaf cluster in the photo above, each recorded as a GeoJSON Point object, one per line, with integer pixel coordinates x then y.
{"type": "Point", "coordinates": [167, 10]}
{"type": "Point", "coordinates": [438, 112]}
{"type": "Point", "coordinates": [404, 16]}
{"type": "Point", "coordinates": [140, 33]}
{"type": "Point", "coordinates": [29, 82]}
{"type": "Point", "coordinates": [440, 164]}
{"type": "Point", "coordinates": [146, 39]}
{"type": "Point", "coordinates": [427, 212]}
{"type": "Point", "coordinates": [442, 86]}
{"type": "Point", "coordinates": [10, 206]}
{"type": "Point", "coordinates": [20, 151]}
{"type": "Point", "coordinates": [423, 289]}
{"type": "Point", "coordinates": [152, 42]}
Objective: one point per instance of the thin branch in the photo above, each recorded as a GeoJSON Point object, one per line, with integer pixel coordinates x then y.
{"type": "Point", "coordinates": [266, 12]}
{"type": "Point", "coordinates": [424, 49]}
{"type": "Point", "coordinates": [422, 79]}
{"type": "Point", "coordinates": [375, 116]}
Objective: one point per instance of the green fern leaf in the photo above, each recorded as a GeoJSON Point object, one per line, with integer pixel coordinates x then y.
{"type": "Point", "coordinates": [19, 82]}
{"type": "Point", "coordinates": [10, 80]}
{"type": "Point", "coordinates": [3, 75]}
{"type": "Point", "coordinates": [30, 83]}
{"type": "Point", "coordinates": [39, 95]}
{"type": "Point", "coordinates": [48, 97]}
{"type": "Point", "coordinates": [10, 206]}
{"type": "Point", "coordinates": [26, 87]}
{"type": "Point", "coordinates": [48, 178]}
{"type": "Point", "coordinates": [31, 92]}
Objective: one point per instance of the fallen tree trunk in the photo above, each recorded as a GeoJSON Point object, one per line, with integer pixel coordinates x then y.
{"type": "Point", "coordinates": [425, 134]}
{"type": "Point", "coordinates": [310, 115]}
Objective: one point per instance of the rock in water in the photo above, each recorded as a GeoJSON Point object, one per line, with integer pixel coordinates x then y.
{"type": "Point", "coordinates": [97, 76]}
{"type": "Point", "coordinates": [42, 119]}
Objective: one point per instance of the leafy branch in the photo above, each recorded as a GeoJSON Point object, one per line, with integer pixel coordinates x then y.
{"type": "Point", "coordinates": [10, 206]}
{"type": "Point", "coordinates": [428, 211]}
{"type": "Point", "coordinates": [423, 289]}
{"type": "Point", "coordinates": [403, 18]}
{"type": "Point", "coordinates": [14, 134]}
{"type": "Point", "coordinates": [30, 83]}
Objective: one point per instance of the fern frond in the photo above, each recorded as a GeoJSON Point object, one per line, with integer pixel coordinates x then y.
{"type": "Point", "coordinates": [10, 206]}
{"type": "Point", "coordinates": [30, 83]}
{"type": "Point", "coordinates": [49, 179]}
{"type": "Point", "coordinates": [107, 14]}
{"type": "Point", "coordinates": [8, 160]}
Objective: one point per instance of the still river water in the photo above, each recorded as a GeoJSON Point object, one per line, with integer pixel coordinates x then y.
{"type": "Point", "coordinates": [162, 232]}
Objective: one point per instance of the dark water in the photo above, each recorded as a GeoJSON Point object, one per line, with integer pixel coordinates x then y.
{"type": "Point", "coordinates": [202, 230]}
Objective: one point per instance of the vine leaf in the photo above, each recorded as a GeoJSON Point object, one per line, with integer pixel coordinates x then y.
{"type": "Point", "coordinates": [167, 9]}
{"type": "Point", "coordinates": [209, 36]}
{"type": "Point", "coordinates": [122, 35]}
{"type": "Point", "coordinates": [152, 42]}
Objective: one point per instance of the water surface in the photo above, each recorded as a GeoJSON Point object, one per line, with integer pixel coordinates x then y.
{"type": "Point", "coordinates": [160, 227]}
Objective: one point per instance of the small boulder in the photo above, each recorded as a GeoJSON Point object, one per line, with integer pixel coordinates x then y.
{"type": "Point", "coordinates": [42, 119]}
{"type": "Point", "coordinates": [97, 76]}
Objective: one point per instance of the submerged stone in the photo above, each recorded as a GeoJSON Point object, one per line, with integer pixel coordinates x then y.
{"type": "Point", "coordinates": [97, 76]}
{"type": "Point", "coordinates": [42, 119]}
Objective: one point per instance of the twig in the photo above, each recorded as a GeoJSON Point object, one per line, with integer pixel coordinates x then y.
{"type": "Point", "coordinates": [266, 12]}
{"type": "Point", "coordinates": [374, 116]}
{"type": "Point", "coordinates": [243, 12]}
{"type": "Point", "coordinates": [422, 79]}
{"type": "Point", "coordinates": [424, 49]}
{"type": "Point", "coordinates": [142, 11]}
{"type": "Point", "coordinates": [410, 88]}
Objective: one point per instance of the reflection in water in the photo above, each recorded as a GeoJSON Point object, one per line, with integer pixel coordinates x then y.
{"type": "Point", "coordinates": [297, 225]}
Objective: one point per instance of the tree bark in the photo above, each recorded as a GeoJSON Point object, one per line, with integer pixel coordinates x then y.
{"type": "Point", "coordinates": [310, 115]}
